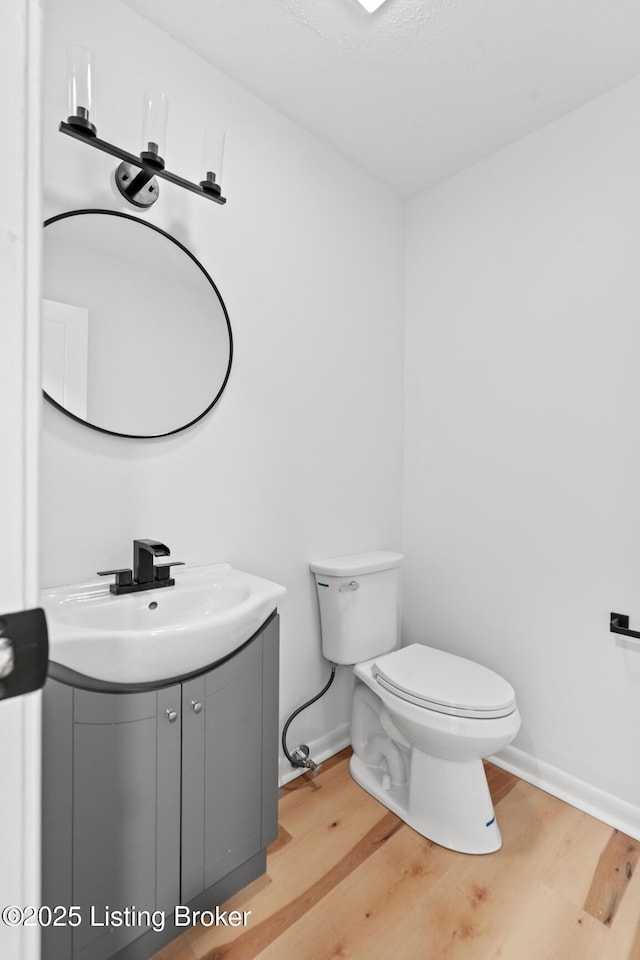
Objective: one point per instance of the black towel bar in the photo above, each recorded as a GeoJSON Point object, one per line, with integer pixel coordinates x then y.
{"type": "Point", "coordinates": [619, 623]}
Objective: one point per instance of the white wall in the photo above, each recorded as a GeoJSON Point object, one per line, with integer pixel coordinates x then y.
{"type": "Point", "coordinates": [522, 465]}
{"type": "Point", "coordinates": [20, 717]}
{"type": "Point", "coordinates": [302, 456]}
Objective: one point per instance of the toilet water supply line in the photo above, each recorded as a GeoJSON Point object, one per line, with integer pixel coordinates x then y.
{"type": "Point", "coordinates": [300, 756]}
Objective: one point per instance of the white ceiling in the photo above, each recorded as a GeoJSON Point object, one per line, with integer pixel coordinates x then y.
{"type": "Point", "coordinates": [422, 88]}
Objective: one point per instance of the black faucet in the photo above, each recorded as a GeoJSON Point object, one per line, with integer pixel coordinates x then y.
{"type": "Point", "coordinates": [143, 553]}
{"type": "Point", "coordinates": [146, 575]}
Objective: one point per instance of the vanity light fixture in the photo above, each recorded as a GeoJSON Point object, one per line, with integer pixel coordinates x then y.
{"type": "Point", "coordinates": [136, 176]}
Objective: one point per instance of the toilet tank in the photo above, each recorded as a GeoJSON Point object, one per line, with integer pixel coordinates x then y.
{"type": "Point", "coordinates": [358, 598]}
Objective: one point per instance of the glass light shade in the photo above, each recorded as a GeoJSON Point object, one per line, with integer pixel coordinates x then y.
{"type": "Point", "coordinates": [213, 153]}
{"type": "Point", "coordinates": [155, 110]}
{"type": "Point", "coordinates": [80, 85]}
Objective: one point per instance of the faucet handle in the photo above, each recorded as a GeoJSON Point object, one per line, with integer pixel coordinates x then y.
{"type": "Point", "coordinates": [123, 575]}
{"type": "Point", "coordinates": [162, 570]}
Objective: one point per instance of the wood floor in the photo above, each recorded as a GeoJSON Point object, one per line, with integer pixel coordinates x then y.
{"type": "Point", "coordinates": [348, 879]}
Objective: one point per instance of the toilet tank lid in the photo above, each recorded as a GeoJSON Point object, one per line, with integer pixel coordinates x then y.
{"type": "Point", "coordinates": [355, 564]}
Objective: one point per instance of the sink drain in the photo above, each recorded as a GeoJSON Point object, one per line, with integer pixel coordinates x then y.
{"type": "Point", "coordinates": [153, 605]}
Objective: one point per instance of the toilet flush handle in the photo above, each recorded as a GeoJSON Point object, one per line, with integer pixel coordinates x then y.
{"type": "Point", "coordinates": [354, 585]}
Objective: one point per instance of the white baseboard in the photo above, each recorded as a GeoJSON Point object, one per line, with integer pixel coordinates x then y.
{"type": "Point", "coordinates": [617, 813]}
{"type": "Point", "coordinates": [320, 749]}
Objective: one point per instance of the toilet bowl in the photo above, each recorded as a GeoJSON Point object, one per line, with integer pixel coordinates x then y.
{"type": "Point", "coordinates": [444, 796]}
{"type": "Point", "coordinates": [422, 719]}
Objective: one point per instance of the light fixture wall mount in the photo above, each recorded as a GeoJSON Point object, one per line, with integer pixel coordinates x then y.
{"type": "Point", "coordinates": [136, 184]}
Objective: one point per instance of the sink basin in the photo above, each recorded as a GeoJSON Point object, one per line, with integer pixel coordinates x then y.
{"type": "Point", "coordinates": [156, 635]}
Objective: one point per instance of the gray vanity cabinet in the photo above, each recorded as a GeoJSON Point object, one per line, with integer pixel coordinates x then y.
{"type": "Point", "coordinates": [158, 797]}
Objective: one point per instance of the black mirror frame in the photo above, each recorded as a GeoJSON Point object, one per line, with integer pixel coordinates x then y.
{"type": "Point", "coordinates": [181, 246]}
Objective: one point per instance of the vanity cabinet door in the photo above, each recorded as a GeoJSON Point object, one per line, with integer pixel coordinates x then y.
{"type": "Point", "coordinates": [229, 807]}
{"type": "Point", "coordinates": [126, 797]}
{"type": "Point", "coordinates": [123, 786]}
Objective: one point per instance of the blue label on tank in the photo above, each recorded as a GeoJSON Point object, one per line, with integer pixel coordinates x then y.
{"type": "Point", "coordinates": [489, 822]}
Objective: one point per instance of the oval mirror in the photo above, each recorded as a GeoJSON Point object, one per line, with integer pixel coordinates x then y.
{"type": "Point", "coordinates": [136, 339]}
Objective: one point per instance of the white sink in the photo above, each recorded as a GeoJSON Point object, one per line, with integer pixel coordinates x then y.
{"type": "Point", "coordinates": [157, 634]}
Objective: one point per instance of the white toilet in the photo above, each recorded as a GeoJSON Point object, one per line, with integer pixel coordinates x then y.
{"type": "Point", "coordinates": [422, 719]}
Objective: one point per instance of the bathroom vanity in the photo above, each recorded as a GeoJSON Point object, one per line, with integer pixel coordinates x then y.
{"type": "Point", "coordinates": [156, 794]}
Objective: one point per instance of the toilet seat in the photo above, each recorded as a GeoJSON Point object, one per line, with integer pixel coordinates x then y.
{"type": "Point", "coordinates": [444, 682]}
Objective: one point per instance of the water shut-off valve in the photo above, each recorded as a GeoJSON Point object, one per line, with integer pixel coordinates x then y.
{"type": "Point", "coordinates": [302, 758]}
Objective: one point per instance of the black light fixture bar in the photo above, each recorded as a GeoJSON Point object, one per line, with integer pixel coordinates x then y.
{"type": "Point", "coordinates": [78, 134]}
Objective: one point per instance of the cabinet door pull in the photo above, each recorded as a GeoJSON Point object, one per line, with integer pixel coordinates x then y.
{"type": "Point", "coordinates": [172, 716]}
{"type": "Point", "coordinates": [197, 706]}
